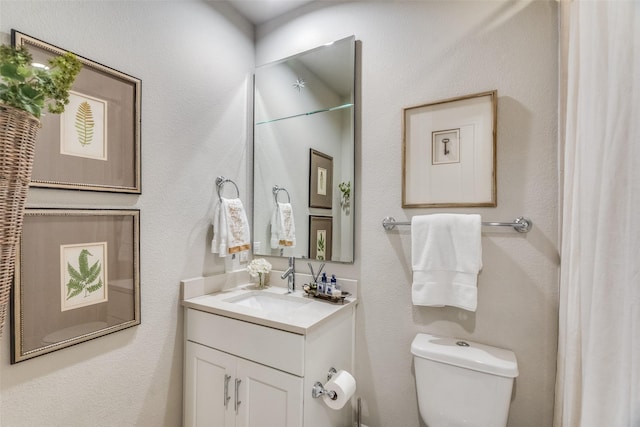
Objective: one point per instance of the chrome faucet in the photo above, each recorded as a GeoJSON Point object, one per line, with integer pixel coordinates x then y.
{"type": "Point", "coordinates": [290, 275]}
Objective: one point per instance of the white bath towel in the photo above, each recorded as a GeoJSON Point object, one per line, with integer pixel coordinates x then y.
{"type": "Point", "coordinates": [446, 255]}
{"type": "Point", "coordinates": [230, 228]}
{"type": "Point", "coordinates": [283, 229]}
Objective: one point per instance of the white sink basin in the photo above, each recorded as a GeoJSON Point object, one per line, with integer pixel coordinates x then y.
{"type": "Point", "coordinates": [268, 302]}
{"type": "Point", "coordinates": [271, 307]}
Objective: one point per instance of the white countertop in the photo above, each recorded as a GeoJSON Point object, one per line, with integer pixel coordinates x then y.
{"type": "Point", "coordinates": [300, 320]}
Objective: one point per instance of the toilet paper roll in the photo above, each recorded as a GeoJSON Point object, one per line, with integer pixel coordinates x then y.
{"type": "Point", "coordinates": [344, 385]}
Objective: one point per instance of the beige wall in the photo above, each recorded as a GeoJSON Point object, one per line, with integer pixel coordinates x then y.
{"type": "Point", "coordinates": [195, 61]}
{"type": "Point", "coordinates": [412, 53]}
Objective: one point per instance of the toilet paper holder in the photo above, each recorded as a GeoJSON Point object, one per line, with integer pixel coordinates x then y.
{"type": "Point", "coordinates": [318, 389]}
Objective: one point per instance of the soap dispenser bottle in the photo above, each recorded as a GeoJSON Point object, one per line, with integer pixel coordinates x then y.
{"type": "Point", "coordinates": [322, 286]}
{"type": "Point", "coordinates": [335, 288]}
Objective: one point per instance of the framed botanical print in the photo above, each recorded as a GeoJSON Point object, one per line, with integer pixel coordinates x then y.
{"type": "Point", "coordinates": [95, 144]}
{"type": "Point", "coordinates": [77, 278]}
{"type": "Point", "coordinates": [320, 180]}
{"type": "Point", "coordinates": [320, 237]}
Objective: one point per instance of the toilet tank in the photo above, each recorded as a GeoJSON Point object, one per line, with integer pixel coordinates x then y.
{"type": "Point", "coordinates": [461, 383]}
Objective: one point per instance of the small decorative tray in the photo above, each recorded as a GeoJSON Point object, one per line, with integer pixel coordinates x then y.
{"type": "Point", "coordinates": [311, 293]}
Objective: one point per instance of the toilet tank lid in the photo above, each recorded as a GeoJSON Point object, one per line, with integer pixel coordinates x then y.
{"type": "Point", "coordinates": [475, 356]}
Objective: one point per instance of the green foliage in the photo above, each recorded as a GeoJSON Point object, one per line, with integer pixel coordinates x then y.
{"type": "Point", "coordinates": [84, 124]}
{"type": "Point", "coordinates": [345, 189]}
{"type": "Point", "coordinates": [29, 87]}
{"type": "Point", "coordinates": [320, 248]}
{"type": "Point", "coordinates": [83, 280]}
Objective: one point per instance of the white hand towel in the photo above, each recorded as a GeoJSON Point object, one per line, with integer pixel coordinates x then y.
{"type": "Point", "coordinates": [283, 229]}
{"type": "Point", "coordinates": [446, 255]}
{"type": "Point", "coordinates": [275, 228]}
{"type": "Point", "coordinates": [217, 230]}
{"type": "Point", "coordinates": [230, 228]}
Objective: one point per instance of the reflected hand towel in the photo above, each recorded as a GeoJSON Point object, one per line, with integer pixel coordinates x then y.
{"type": "Point", "coordinates": [283, 229]}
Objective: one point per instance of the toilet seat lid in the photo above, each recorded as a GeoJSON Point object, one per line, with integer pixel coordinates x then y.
{"type": "Point", "coordinates": [466, 354]}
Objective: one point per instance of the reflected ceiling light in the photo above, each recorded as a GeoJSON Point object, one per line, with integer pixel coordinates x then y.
{"type": "Point", "coordinates": [299, 84]}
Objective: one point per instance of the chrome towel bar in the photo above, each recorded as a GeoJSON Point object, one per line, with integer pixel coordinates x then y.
{"type": "Point", "coordinates": [520, 224]}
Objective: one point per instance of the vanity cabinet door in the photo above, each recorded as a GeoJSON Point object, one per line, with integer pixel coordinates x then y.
{"type": "Point", "coordinates": [268, 397]}
{"type": "Point", "coordinates": [209, 387]}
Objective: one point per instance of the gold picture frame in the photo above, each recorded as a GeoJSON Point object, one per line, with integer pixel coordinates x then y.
{"type": "Point", "coordinates": [107, 158]}
{"type": "Point", "coordinates": [77, 278]}
{"type": "Point", "coordinates": [449, 152]}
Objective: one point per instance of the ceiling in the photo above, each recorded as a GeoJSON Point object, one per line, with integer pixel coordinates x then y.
{"type": "Point", "coordinates": [259, 11]}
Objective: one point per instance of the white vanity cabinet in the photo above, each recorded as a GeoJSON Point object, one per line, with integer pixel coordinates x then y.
{"type": "Point", "coordinates": [228, 391]}
{"type": "Point", "coordinates": [244, 374]}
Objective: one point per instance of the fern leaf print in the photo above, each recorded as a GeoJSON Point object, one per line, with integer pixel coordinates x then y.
{"type": "Point", "coordinates": [84, 124]}
{"type": "Point", "coordinates": [95, 287]}
{"type": "Point", "coordinates": [75, 275]}
{"type": "Point", "coordinates": [83, 262]}
{"type": "Point", "coordinates": [94, 272]}
{"type": "Point", "coordinates": [73, 288]}
{"type": "Point", "coordinates": [84, 279]}
{"type": "Point", "coordinates": [320, 248]}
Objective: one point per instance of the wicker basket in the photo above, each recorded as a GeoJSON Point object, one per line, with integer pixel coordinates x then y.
{"type": "Point", "coordinates": [18, 131]}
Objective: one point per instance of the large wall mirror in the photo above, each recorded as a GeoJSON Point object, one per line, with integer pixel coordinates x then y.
{"type": "Point", "coordinates": [304, 154]}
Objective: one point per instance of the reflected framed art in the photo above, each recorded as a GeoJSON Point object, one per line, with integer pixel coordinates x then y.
{"type": "Point", "coordinates": [320, 180]}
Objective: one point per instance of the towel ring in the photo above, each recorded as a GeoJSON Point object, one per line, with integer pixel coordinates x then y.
{"type": "Point", "coordinates": [220, 182]}
{"type": "Point", "coordinates": [277, 189]}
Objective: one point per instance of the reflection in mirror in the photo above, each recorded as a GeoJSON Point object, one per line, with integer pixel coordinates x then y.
{"type": "Point", "coordinates": [304, 154]}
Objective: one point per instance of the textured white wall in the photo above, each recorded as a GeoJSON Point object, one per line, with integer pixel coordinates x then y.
{"type": "Point", "coordinates": [195, 60]}
{"type": "Point", "coordinates": [412, 53]}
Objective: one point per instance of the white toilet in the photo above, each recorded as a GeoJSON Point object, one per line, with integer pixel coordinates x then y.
{"type": "Point", "coordinates": [462, 383]}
